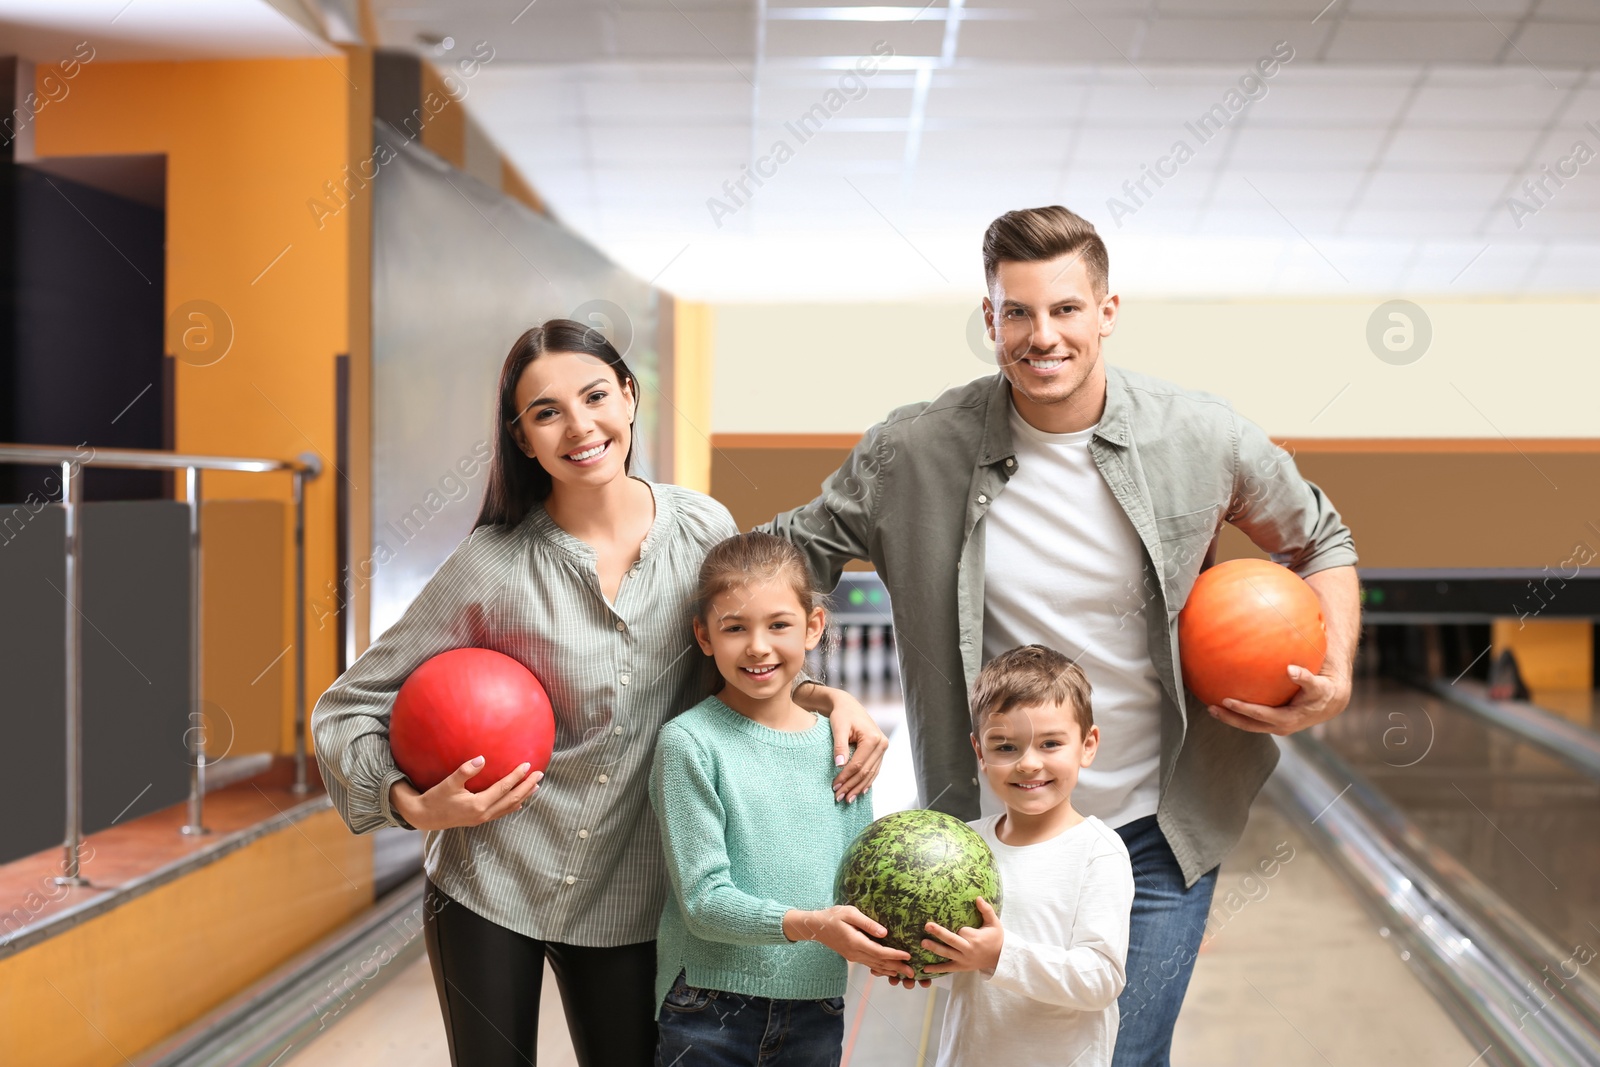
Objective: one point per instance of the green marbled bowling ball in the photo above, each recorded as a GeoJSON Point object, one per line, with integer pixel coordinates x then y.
{"type": "Point", "coordinates": [915, 867]}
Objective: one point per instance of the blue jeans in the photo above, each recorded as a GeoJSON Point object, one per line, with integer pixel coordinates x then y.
{"type": "Point", "coordinates": [715, 1028]}
{"type": "Point", "coordinates": [1164, 935]}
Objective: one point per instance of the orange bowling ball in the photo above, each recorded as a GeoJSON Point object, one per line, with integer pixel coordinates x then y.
{"type": "Point", "coordinates": [1245, 622]}
{"type": "Point", "coordinates": [465, 703]}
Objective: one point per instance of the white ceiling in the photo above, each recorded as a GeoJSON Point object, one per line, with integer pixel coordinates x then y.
{"type": "Point", "coordinates": [131, 31]}
{"type": "Point", "coordinates": [1379, 159]}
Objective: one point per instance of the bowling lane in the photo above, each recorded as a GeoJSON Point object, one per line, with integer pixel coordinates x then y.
{"type": "Point", "coordinates": [1286, 964]}
{"type": "Point", "coordinates": [1521, 819]}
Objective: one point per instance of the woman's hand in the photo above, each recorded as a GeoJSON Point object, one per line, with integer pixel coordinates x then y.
{"type": "Point", "coordinates": [851, 726]}
{"type": "Point", "coordinates": [450, 803]}
{"type": "Point", "coordinates": [848, 932]}
{"type": "Point", "coordinates": [972, 949]}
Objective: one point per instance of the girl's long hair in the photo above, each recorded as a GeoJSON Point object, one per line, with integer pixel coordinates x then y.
{"type": "Point", "coordinates": [516, 481]}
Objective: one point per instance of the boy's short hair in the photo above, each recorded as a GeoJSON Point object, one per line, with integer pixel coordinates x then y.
{"type": "Point", "coordinates": [1043, 233]}
{"type": "Point", "coordinates": [1029, 676]}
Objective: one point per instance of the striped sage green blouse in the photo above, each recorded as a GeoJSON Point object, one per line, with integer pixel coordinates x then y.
{"type": "Point", "coordinates": [581, 863]}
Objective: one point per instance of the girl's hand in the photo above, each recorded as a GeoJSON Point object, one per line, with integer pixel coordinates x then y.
{"type": "Point", "coordinates": [971, 949]}
{"type": "Point", "coordinates": [903, 981]}
{"type": "Point", "coordinates": [851, 726]}
{"type": "Point", "coordinates": [451, 804]}
{"type": "Point", "coordinates": [848, 932]}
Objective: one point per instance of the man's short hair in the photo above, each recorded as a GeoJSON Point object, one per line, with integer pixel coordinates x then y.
{"type": "Point", "coordinates": [1035, 234]}
{"type": "Point", "coordinates": [1027, 677]}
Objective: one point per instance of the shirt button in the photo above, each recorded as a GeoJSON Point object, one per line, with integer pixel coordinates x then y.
{"type": "Point", "coordinates": [982, 499]}
{"type": "Point", "coordinates": [603, 779]}
{"type": "Point", "coordinates": [623, 679]}
{"type": "Point", "coordinates": [583, 833]}
{"type": "Point", "coordinates": [570, 879]}
{"type": "Point", "coordinates": [974, 781]}
{"type": "Point", "coordinates": [617, 731]}
{"type": "Point", "coordinates": [621, 625]}
{"type": "Point", "coordinates": [1011, 463]}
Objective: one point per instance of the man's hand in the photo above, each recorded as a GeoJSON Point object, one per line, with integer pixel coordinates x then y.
{"type": "Point", "coordinates": [1321, 696]}
{"type": "Point", "coordinates": [969, 949]}
{"type": "Point", "coordinates": [851, 726]}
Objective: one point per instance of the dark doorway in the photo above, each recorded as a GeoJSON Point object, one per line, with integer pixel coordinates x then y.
{"type": "Point", "coordinates": [84, 359]}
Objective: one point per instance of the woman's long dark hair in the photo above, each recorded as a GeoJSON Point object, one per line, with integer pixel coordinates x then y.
{"type": "Point", "coordinates": [516, 481]}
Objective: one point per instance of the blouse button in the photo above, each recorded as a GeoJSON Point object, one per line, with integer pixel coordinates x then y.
{"type": "Point", "coordinates": [621, 626]}
{"type": "Point", "coordinates": [583, 833]}
{"type": "Point", "coordinates": [623, 679]}
{"type": "Point", "coordinates": [571, 879]}
{"type": "Point", "coordinates": [617, 731]}
{"type": "Point", "coordinates": [603, 779]}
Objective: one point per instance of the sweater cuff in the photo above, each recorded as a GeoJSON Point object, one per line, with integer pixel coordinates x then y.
{"type": "Point", "coordinates": [770, 923]}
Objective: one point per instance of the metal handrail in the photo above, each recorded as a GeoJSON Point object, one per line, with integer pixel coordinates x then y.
{"type": "Point", "coordinates": [71, 460]}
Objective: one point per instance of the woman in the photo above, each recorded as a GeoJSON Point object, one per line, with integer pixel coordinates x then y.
{"type": "Point", "coordinates": [584, 574]}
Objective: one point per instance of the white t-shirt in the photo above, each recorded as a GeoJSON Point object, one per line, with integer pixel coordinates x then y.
{"type": "Point", "coordinates": [1052, 999]}
{"type": "Point", "coordinates": [1063, 567]}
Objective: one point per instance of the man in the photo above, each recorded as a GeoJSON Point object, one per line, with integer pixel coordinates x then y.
{"type": "Point", "coordinates": [1073, 504]}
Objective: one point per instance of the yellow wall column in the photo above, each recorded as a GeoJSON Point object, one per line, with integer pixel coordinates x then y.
{"type": "Point", "coordinates": [691, 387]}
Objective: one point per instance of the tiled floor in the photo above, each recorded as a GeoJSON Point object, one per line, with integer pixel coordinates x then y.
{"type": "Point", "coordinates": [1293, 973]}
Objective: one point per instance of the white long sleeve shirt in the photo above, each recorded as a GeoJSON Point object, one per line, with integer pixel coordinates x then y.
{"type": "Point", "coordinates": [1053, 996]}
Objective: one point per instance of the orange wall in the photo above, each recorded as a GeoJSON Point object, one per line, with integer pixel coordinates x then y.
{"type": "Point", "coordinates": [249, 146]}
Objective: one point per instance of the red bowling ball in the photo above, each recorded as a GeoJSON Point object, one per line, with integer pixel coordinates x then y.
{"type": "Point", "coordinates": [465, 703]}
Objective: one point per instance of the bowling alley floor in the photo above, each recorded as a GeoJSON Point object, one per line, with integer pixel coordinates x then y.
{"type": "Point", "coordinates": [1293, 972]}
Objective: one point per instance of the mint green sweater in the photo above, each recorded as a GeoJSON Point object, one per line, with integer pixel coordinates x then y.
{"type": "Point", "coordinates": [750, 829]}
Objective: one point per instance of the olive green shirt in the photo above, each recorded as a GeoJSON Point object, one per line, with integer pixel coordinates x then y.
{"type": "Point", "coordinates": [912, 496]}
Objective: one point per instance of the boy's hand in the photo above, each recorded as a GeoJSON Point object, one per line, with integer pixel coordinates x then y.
{"type": "Point", "coordinates": [970, 949]}
{"type": "Point", "coordinates": [849, 932]}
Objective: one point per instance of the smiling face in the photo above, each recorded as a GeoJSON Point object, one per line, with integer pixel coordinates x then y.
{"type": "Point", "coordinates": [1032, 755]}
{"type": "Point", "coordinates": [759, 634]}
{"type": "Point", "coordinates": [576, 418]}
{"type": "Point", "coordinates": [1047, 325]}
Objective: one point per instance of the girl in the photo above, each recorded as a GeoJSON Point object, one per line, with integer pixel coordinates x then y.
{"type": "Point", "coordinates": [582, 573]}
{"type": "Point", "coordinates": [751, 957]}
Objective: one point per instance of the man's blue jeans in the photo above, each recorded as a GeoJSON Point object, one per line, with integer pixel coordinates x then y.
{"type": "Point", "coordinates": [1164, 937]}
{"type": "Point", "coordinates": [715, 1028]}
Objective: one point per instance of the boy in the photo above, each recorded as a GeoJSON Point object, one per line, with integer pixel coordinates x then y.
{"type": "Point", "coordinates": [1043, 987]}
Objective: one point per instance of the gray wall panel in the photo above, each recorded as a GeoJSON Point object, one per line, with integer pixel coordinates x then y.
{"type": "Point", "coordinates": [459, 271]}
{"type": "Point", "coordinates": [32, 726]}
{"type": "Point", "coordinates": [136, 658]}
{"type": "Point", "coordinates": [135, 670]}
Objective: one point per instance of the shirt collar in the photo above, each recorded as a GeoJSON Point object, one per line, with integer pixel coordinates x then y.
{"type": "Point", "coordinates": [665, 519]}
{"type": "Point", "coordinates": [997, 440]}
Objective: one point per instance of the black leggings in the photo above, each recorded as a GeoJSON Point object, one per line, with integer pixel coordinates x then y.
{"type": "Point", "coordinates": [489, 980]}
